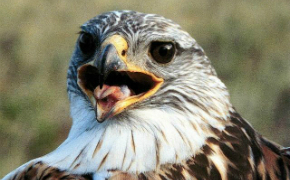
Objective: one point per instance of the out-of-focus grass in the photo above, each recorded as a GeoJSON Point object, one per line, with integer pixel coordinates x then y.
{"type": "Point", "coordinates": [247, 41]}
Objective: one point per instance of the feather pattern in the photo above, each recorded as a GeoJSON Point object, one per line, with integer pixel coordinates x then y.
{"type": "Point", "coordinates": [187, 130]}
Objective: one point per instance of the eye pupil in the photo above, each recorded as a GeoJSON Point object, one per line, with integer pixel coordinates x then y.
{"type": "Point", "coordinates": [162, 52]}
{"type": "Point", "coordinates": [165, 50]}
{"type": "Point", "coordinates": [87, 43]}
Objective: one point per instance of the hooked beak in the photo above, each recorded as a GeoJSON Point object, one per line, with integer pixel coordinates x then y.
{"type": "Point", "coordinates": [112, 83]}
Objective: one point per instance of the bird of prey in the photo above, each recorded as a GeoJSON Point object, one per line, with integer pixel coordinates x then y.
{"type": "Point", "coordinates": [147, 104]}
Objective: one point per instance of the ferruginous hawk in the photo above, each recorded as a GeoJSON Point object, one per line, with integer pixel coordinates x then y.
{"type": "Point", "coordinates": [147, 104]}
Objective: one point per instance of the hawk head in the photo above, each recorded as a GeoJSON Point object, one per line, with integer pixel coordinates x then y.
{"type": "Point", "coordinates": [127, 61]}
{"type": "Point", "coordinates": [142, 92]}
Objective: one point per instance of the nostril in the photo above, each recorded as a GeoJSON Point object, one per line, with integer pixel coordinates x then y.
{"type": "Point", "coordinates": [123, 53]}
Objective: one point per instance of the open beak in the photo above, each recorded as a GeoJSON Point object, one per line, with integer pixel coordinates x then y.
{"type": "Point", "coordinates": [112, 83]}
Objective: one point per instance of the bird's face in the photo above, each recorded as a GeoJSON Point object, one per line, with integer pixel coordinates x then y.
{"type": "Point", "coordinates": [112, 81]}
{"type": "Point", "coordinates": [127, 60]}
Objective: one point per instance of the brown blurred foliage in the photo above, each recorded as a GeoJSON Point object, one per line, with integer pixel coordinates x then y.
{"type": "Point", "coordinates": [247, 41]}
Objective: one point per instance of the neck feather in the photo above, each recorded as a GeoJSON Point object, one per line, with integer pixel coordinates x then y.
{"type": "Point", "coordinates": [134, 142]}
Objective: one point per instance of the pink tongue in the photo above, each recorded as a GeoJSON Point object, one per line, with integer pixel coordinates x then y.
{"type": "Point", "coordinates": [109, 95]}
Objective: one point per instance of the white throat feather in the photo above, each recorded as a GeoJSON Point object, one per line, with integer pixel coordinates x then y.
{"type": "Point", "coordinates": [141, 142]}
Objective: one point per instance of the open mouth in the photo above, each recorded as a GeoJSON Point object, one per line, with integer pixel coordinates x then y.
{"type": "Point", "coordinates": [119, 90]}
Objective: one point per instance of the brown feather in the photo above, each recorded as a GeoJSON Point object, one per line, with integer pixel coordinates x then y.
{"type": "Point", "coordinates": [40, 171]}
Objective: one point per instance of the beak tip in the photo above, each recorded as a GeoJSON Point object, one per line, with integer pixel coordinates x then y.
{"type": "Point", "coordinates": [100, 120]}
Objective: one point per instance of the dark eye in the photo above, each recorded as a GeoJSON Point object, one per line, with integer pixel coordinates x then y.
{"type": "Point", "coordinates": [162, 52]}
{"type": "Point", "coordinates": [87, 43]}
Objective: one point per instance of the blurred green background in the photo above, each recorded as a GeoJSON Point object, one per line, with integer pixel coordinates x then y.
{"type": "Point", "coordinates": [247, 41]}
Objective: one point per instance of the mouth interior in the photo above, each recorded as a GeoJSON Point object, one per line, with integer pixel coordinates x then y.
{"type": "Point", "coordinates": [119, 85]}
{"type": "Point", "coordinates": [136, 81]}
